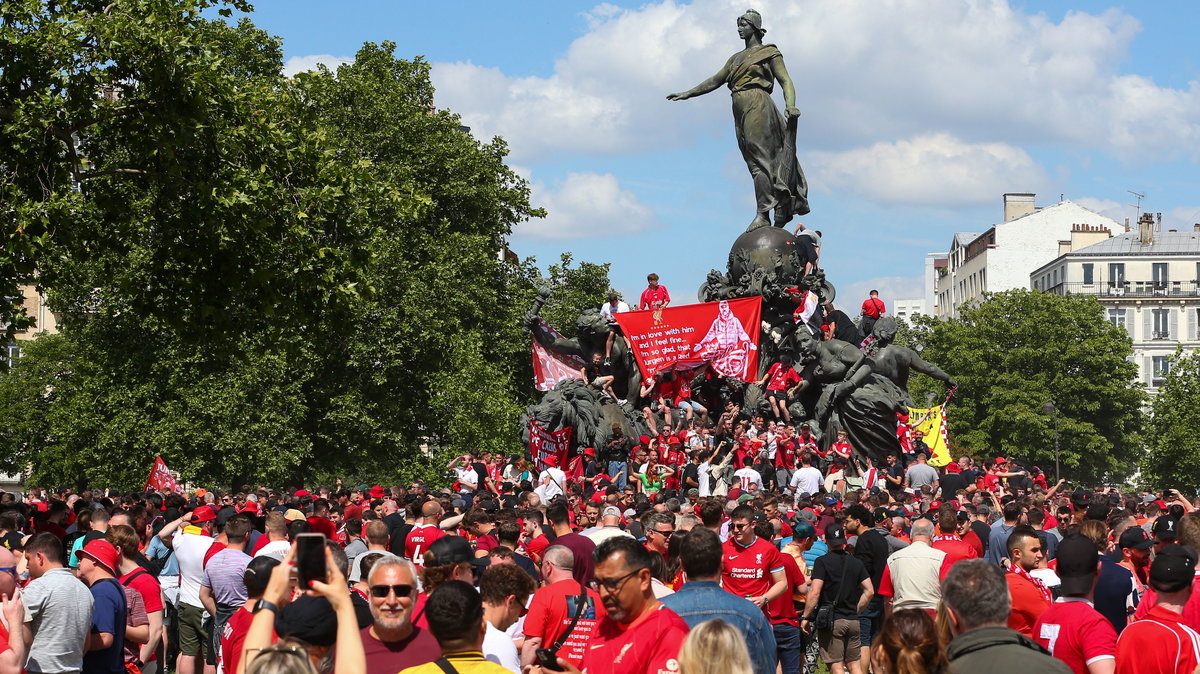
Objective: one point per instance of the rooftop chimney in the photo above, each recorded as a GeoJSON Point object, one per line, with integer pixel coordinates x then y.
{"type": "Point", "coordinates": [1196, 227]}
{"type": "Point", "coordinates": [1018, 205]}
{"type": "Point", "coordinates": [1146, 229]}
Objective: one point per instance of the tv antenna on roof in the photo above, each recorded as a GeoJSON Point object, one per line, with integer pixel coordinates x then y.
{"type": "Point", "coordinates": [1138, 205]}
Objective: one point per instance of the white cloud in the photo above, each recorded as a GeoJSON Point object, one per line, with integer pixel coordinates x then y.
{"type": "Point", "coordinates": [891, 288]}
{"type": "Point", "coordinates": [586, 205]}
{"type": "Point", "coordinates": [935, 169]}
{"type": "Point", "coordinates": [300, 64]}
{"type": "Point", "coordinates": [1183, 218]}
{"type": "Point", "coordinates": [865, 71]}
{"type": "Point", "coordinates": [1106, 207]}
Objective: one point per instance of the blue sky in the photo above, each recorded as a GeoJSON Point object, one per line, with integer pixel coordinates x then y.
{"type": "Point", "coordinates": [917, 116]}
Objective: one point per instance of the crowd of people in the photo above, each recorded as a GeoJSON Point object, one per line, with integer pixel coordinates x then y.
{"type": "Point", "coordinates": [956, 569]}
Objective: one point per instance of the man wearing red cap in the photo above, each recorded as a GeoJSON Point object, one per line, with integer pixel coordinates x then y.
{"type": "Point", "coordinates": [105, 648]}
{"type": "Point", "coordinates": [191, 548]}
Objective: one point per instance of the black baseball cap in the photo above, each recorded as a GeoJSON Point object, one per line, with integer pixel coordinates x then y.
{"type": "Point", "coordinates": [835, 534]}
{"type": "Point", "coordinates": [1164, 528]}
{"type": "Point", "coordinates": [1137, 538]}
{"type": "Point", "coordinates": [453, 550]}
{"type": "Point", "coordinates": [1077, 561]}
{"type": "Point", "coordinates": [1173, 569]}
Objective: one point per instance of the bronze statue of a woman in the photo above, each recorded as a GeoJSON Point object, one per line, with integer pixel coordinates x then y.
{"type": "Point", "coordinates": [767, 140]}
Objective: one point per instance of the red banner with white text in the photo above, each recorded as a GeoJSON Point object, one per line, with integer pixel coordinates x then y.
{"type": "Point", "coordinates": [160, 477]}
{"type": "Point", "coordinates": [544, 443]}
{"type": "Point", "coordinates": [549, 367]}
{"type": "Point", "coordinates": [724, 334]}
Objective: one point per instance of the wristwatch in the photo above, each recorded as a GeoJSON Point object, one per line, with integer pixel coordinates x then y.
{"type": "Point", "coordinates": [263, 603]}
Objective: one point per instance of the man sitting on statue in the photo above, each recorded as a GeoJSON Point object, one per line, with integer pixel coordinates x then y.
{"type": "Point", "coordinates": [781, 377]}
{"type": "Point", "coordinates": [600, 376]}
{"type": "Point", "coordinates": [608, 310]}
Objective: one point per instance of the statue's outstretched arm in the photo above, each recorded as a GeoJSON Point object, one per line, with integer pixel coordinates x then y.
{"type": "Point", "coordinates": [925, 367]}
{"type": "Point", "coordinates": [785, 82]}
{"type": "Point", "coordinates": [709, 85]}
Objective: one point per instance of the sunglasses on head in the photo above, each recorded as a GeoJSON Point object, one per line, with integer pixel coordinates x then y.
{"type": "Point", "coordinates": [382, 591]}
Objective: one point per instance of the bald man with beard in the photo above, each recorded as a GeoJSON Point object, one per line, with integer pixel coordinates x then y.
{"type": "Point", "coordinates": [12, 657]}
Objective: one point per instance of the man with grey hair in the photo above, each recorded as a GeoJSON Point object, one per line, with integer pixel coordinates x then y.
{"type": "Point", "coordinates": [912, 576]}
{"type": "Point", "coordinates": [977, 605]}
{"type": "Point", "coordinates": [392, 642]}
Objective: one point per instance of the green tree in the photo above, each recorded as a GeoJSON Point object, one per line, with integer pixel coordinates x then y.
{"type": "Point", "coordinates": [324, 297]}
{"type": "Point", "coordinates": [1173, 458]}
{"type": "Point", "coordinates": [157, 163]}
{"type": "Point", "coordinates": [1020, 349]}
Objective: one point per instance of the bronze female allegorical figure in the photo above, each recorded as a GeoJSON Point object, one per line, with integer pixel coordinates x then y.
{"type": "Point", "coordinates": [767, 140]}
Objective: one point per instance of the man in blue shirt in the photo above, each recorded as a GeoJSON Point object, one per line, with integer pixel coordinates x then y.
{"type": "Point", "coordinates": [998, 540]}
{"type": "Point", "coordinates": [702, 598]}
{"type": "Point", "coordinates": [105, 647]}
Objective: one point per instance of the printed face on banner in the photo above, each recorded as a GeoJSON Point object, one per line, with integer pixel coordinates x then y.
{"type": "Point", "coordinates": [723, 334]}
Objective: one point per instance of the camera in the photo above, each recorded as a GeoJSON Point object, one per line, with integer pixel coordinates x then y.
{"type": "Point", "coordinates": [548, 659]}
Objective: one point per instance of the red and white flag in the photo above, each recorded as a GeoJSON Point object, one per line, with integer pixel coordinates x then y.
{"type": "Point", "coordinates": [549, 368]}
{"type": "Point", "coordinates": [544, 443]}
{"type": "Point", "coordinates": [722, 334]}
{"type": "Point", "coordinates": [161, 478]}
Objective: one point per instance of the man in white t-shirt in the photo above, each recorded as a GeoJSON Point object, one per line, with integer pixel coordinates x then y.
{"type": "Point", "coordinates": [465, 473]}
{"type": "Point", "coordinates": [613, 306]}
{"type": "Point", "coordinates": [807, 480]}
{"type": "Point", "coordinates": [190, 549]}
{"type": "Point", "coordinates": [746, 478]}
{"type": "Point", "coordinates": [551, 481]}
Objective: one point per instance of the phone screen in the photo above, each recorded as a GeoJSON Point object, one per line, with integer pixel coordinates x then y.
{"type": "Point", "coordinates": [310, 559]}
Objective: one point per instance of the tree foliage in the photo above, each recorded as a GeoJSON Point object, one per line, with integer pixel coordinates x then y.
{"type": "Point", "coordinates": [1173, 445]}
{"type": "Point", "coordinates": [263, 279]}
{"type": "Point", "coordinates": [1020, 349]}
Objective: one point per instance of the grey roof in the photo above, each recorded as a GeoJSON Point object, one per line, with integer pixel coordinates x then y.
{"type": "Point", "coordinates": [963, 238]}
{"type": "Point", "coordinates": [1164, 243]}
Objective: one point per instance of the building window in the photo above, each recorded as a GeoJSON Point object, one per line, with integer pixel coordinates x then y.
{"type": "Point", "coordinates": [1162, 324]}
{"type": "Point", "coordinates": [1116, 274]}
{"type": "Point", "coordinates": [11, 354]}
{"type": "Point", "coordinates": [1089, 273]}
{"type": "Point", "coordinates": [1117, 318]}
{"type": "Point", "coordinates": [1054, 277]}
{"type": "Point", "coordinates": [1161, 367]}
{"type": "Point", "coordinates": [1159, 272]}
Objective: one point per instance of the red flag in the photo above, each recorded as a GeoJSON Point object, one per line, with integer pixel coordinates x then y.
{"type": "Point", "coordinates": [549, 367]}
{"type": "Point", "coordinates": [160, 477]}
{"type": "Point", "coordinates": [723, 334]}
{"type": "Point", "coordinates": [543, 443]}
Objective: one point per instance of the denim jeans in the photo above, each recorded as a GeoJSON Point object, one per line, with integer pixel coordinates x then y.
{"type": "Point", "coordinates": [615, 467]}
{"type": "Point", "coordinates": [870, 620]}
{"type": "Point", "coordinates": [789, 647]}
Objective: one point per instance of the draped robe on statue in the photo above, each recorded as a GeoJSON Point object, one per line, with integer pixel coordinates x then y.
{"type": "Point", "coordinates": [763, 134]}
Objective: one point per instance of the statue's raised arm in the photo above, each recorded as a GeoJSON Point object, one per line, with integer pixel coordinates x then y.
{"type": "Point", "coordinates": [766, 138]}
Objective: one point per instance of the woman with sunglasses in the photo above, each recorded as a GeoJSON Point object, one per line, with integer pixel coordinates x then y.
{"type": "Point", "coordinates": [651, 481]}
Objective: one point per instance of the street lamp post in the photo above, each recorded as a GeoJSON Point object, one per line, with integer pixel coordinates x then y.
{"type": "Point", "coordinates": [1050, 409]}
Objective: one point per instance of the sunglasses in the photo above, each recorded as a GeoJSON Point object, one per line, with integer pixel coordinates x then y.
{"type": "Point", "coordinates": [381, 591]}
{"type": "Point", "coordinates": [613, 585]}
{"type": "Point", "coordinates": [664, 534]}
{"type": "Point", "coordinates": [738, 527]}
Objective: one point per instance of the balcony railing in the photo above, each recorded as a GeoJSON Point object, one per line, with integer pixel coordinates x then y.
{"type": "Point", "coordinates": [1129, 289]}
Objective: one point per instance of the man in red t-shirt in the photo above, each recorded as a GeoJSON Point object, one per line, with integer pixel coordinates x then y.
{"type": "Point", "coordinates": [233, 634]}
{"type": "Point", "coordinates": [841, 447]}
{"type": "Point", "coordinates": [424, 534]}
{"type": "Point", "coordinates": [781, 380]}
{"type": "Point", "coordinates": [872, 309]}
{"type": "Point", "coordinates": [1030, 598]}
{"type": "Point", "coordinates": [948, 540]}
{"type": "Point", "coordinates": [1162, 643]}
{"type": "Point", "coordinates": [752, 567]}
{"type": "Point", "coordinates": [554, 605]}
{"type": "Point", "coordinates": [638, 635]}
{"type": "Point", "coordinates": [1072, 629]}
{"type": "Point", "coordinates": [654, 296]}
{"type": "Point", "coordinates": [319, 521]}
